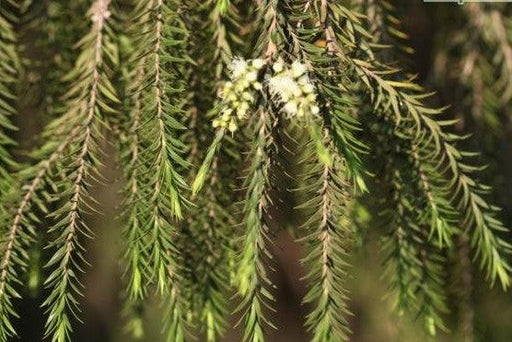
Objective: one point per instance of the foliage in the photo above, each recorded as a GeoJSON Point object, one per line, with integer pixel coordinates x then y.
{"type": "Point", "coordinates": [161, 79]}
{"type": "Point", "coordinates": [14, 243]}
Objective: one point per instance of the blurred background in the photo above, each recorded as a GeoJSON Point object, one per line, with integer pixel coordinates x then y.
{"type": "Point", "coordinates": [445, 38]}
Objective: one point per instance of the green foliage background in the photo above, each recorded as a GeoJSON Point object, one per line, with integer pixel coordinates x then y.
{"type": "Point", "coordinates": [464, 53]}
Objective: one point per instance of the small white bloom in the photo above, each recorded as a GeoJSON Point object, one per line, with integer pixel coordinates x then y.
{"type": "Point", "coordinates": [241, 112]}
{"type": "Point", "coordinates": [244, 84]}
{"type": "Point", "coordinates": [247, 96]}
{"type": "Point", "coordinates": [315, 110]}
{"type": "Point", "coordinates": [258, 63]}
{"type": "Point", "coordinates": [308, 88]}
{"type": "Point", "coordinates": [238, 67]}
{"type": "Point", "coordinates": [215, 123]}
{"type": "Point", "coordinates": [298, 69]}
{"type": "Point", "coordinates": [290, 107]}
{"type": "Point", "coordinates": [284, 86]}
{"type": "Point", "coordinates": [304, 80]}
{"type": "Point", "coordinates": [285, 97]}
{"type": "Point", "coordinates": [257, 85]}
{"type": "Point", "coordinates": [231, 97]}
{"type": "Point", "coordinates": [278, 66]}
{"type": "Point", "coordinates": [232, 126]}
{"type": "Point", "coordinates": [224, 93]}
{"type": "Point", "coordinates": [228, 85]}
{"type": "Point", "coordinates": [225, 116]}
{"type": "Point", "coordinates": [252, 76]}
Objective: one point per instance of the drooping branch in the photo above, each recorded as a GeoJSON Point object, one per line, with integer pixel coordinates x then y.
{"type": "Point", "coordinates": [327, 239]}
{"type": "Point", "coordinates": [404, 99]}
{"type": "Point", "coordinates": [252, 279]}
{"type": "Point", "coordinates": [87, 102]}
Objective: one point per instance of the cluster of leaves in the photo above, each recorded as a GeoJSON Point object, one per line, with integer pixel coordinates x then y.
{"type": "Point", "coordinates": [13, 250]}
{"type": "Point", "coordinates": [148, 73]}
{"type": "Point", "coordinates": [476, 60]}
{"type": "Point", "coordinates": [66, 164]}
{"type": "Point", "coordinates": [472, 69]}
{"type": "Point", "coordinates": [8, 73]}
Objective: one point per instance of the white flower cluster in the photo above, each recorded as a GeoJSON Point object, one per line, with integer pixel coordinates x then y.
{"type": "Point", "coordinates": [237, 94]}
{"type": "Point", "coordinates": [293, 88]}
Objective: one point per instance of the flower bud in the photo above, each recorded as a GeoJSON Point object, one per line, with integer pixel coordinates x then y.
{"type": "Point", "coordinates": [238, 67]}
{"type": "Point", "coordinates": [290, 108]}
{"type": "Point", "coordinates": [232, 126]}
{"type": "Point", "coordinates": [258, 63]}
{"type": "Point", "coordinates": [278, 66]}
{"type": "Point", "coordinates": [241, 113]}
{"type": "Point", "coordinates": [252, 76]}
{"type": "Point", "coordinates": [303, 80]}
{"type": "Point", "coordinates": [247, 96]}
{"type": "Point", "coordinates": [298, 69]}
{"type": "Point", "coordinates": [308, 88]}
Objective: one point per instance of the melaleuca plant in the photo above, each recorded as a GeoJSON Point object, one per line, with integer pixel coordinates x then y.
{"type": "Point", "coordinates": [202, 103]}
{"type": "Point", "coordinates": [473, 64]}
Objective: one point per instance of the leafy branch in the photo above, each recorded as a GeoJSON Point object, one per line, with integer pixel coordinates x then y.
{"type": "Point", "coordinates": [252, 278]}
{"type": "Point", "coordinates": [11, 258]}
{"type": "Point", "coordinates": [403, 99]}
{"type": "Point", "coordinates": [327, 237]}
{"type": "Point", "coordinates": [87, 102]}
